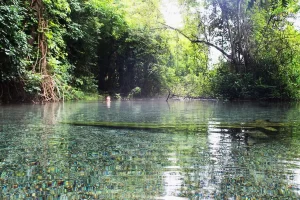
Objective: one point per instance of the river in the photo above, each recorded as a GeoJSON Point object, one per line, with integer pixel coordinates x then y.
{"type": "Point", "coordinates": [43, 158]}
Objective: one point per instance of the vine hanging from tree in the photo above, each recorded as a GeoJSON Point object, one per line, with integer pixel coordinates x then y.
{"type": "Point", "coordinates": [48, 85]}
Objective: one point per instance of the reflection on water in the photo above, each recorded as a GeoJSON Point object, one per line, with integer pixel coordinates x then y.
{"type": "Point", "coordinates": [41, 158]}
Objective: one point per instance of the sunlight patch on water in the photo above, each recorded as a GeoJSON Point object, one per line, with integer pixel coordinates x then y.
{"type": "Point", "coordinates": [170, 198]}
{"type": "Point", "coordinates": [172, 182]}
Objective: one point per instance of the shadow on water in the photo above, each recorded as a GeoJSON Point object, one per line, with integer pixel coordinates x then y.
{"type": "Point", "coordinates": [44, 159]}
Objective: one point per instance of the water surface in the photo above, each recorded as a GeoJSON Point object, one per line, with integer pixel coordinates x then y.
{"type": "Point", "coordinates": [41, 158]}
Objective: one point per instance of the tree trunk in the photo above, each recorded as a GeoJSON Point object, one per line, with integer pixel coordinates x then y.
{"type": "Point", "coordinates": [48, 85]}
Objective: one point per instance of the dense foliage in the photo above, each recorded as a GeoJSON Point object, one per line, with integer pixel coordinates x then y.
{"type": "Point", "coordinates": [53, 50]}
{"type": "Point", "coordinates": [258, 42]}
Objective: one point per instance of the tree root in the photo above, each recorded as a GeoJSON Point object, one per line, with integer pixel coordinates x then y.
{"type": "Point", "coordinates": [49, 89]}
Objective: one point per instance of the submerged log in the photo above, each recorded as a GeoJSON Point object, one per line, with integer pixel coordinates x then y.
{"type": "Point", "coordinates": [266, 127]}
{"type": "Point", "coordinates": [149, 126]}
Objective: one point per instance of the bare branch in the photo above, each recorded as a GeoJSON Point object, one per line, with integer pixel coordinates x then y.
{"type": "Point", "coordinates": [200, 41]}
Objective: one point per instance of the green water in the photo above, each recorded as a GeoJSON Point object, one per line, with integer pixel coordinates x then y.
{"type": "Point", "coordinates": [41, 158]}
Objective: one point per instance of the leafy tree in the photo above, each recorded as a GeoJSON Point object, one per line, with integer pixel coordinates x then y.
{"type": "Point", "coordinates": [13, 47]}
{"type": "Point", "coordinates": [53, 50]}
{"type": "Point", "coordinates": [255, 39]}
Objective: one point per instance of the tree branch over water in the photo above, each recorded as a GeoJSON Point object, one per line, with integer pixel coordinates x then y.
{"type": "Point", "coordinates": [199, 41]}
